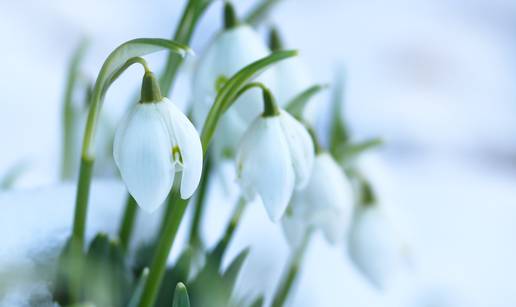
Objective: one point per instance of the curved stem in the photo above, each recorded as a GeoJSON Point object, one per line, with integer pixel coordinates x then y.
{"type": "Point", "coordinates": [291, 274]}
{"type": "Point", "coordinates": [200, 204]}
{"type": "Point", "coordinates": [232, 225]}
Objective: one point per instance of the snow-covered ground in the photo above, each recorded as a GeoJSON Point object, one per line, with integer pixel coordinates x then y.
{"type": "Point", "coordinates": [433, 78]}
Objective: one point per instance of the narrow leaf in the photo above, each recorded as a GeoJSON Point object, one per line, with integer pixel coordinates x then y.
{"type": "Point", "coordinates": [181, 296]}
{"type": "Point", "coordinates": [137, 292]}
{"type": "Point", "coordinates": [231, 273]}
{"type": "Point", "coordinates": [297, 105]}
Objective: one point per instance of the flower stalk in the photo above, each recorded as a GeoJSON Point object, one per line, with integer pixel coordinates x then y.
{"type": "Point", "coordinates": [113, 67]}
{"type": "Point", "coordinates": [292, 272]}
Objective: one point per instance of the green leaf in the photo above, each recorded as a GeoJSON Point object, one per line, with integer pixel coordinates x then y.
{"type": "Point", "coordinates": [258, 302]}
{"type": "Point", "coordinates": [260, 11]}
{"type": "Point", "coordinates": [227, 94]}
{"type": "Point", "coordinates": [108, 278]}
{"type": "Point", "coordinates": [347, 152]}
{"type": "Point", "coordinates": [339, 133]}
{"type": "Point", "coordinates": [138, 290]}
{"type": "Point", "coordinates": [297, 105]}
{"type": "Point", "coordinates": [173, 275]}
{"type": "Point", "coordinates": [12, 174]}
{"type": "Point", "coordinates": [67, 269]}
{"type": "Point", "coordinates": [231, 273]}
{"type": "Point", "coordinates": [181, 296]}
{"type": "Point", "coordinates": [110, 69]}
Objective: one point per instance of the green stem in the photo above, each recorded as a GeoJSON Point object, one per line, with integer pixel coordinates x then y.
{"type": "Point", "coordinates": [233, 223]}
{"type": "Point", "coordinates": [200, 204]}
{"type": "Point", "coordinates": [163, 248]}
{"type": "Point", "coordinates": [191, 14]}
{"type": "Point", "coordinates": [68, 113]}
{"type": "Point", "coordinates": [126, 228]}
{"type": "Point", "coordinates": [291, 274]}
{"type": "Point", "coordinates": [81, 201]}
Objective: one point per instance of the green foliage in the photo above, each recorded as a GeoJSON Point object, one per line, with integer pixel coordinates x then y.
{"type": "Point", "coordinates": [181, 296]}
{"type": "Point", "coordinates": [108, 279]}
{"type": "Point", "coordinates": [297, 105]}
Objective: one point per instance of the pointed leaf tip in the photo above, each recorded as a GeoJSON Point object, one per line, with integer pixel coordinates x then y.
{"type": "Point", "coordinates": [181, 296]}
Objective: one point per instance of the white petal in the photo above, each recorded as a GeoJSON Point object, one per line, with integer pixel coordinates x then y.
{"type": "Point", "coordinates": [230, 51]}
{"type": "Point", "coordinates": [187, 139]}
{"type": "Point", "coordinates": [375, 247]}
{"type": "Point", "coordinates": [142, 154]}
{"type": "Point", "coordinates": [301, 148]}
{"type": "Point", "coordinates": [264, 166]}
{"type": "Point", "coordinates": [327, 200]}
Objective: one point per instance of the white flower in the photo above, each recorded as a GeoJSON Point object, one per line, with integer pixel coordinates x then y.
{"type": "Point", "coordinates": [326, 203]}
{"type": "Point", "coordinates": [375, 247]}
{"type": "Point", "coordinates": [154, 141]}
{"type": "Point", "coordinates": [231, 51]}
{"type": "Point", "coordinates": [275, 156]}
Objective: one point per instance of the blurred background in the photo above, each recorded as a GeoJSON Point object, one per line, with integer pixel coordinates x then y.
{"type": "Point", "coordinates": [435, 79]}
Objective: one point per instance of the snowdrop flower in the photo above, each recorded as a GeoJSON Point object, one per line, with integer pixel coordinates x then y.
{"type": "Point", "coordinates": [275, 156]}
{"type": "Point", "coordinates": [375, 246]}
{"type": "Point", "coordinates": [326, 203]}
{"type": "Point", "coordinates": [154, 141]}
{"type": "Point", "coordinates": [236, 47]}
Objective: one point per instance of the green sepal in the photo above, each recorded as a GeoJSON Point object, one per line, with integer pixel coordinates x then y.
{"type": "Point", "coordinates": [230, 16]}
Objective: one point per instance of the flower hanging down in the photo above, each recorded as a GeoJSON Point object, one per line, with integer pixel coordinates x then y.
{"type": "Point", "coordinates": [154, 141]}
{"type": "Point", "coordinates": [274, 157]}
{"type": "Point", "coordinates": [236, 47]}
{"type": "Point", "coordinates": [375, 246]}
{"type": "Point", "coordinates": [326, 203]}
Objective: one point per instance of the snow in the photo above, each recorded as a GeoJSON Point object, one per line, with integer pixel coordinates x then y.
{"type": "Point", "coordinates": [433, 78]}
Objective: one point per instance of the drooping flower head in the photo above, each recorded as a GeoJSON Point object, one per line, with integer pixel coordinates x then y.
{"type": "Point", "coordinates": [326, 203]}
{"type": "Point", "coordinates": [374, 244]}
{"type": "Point", "coordinates": [275, 156]}
{"type": "Point", "coordinates": [154, 141]}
